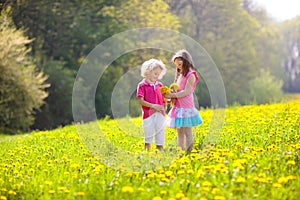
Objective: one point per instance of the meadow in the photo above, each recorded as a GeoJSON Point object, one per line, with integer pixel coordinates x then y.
{"type": "Point", "coordinates": [253, 155]}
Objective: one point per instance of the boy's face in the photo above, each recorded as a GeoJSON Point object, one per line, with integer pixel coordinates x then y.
{"type": "Point", "coordinates": [153, 75]}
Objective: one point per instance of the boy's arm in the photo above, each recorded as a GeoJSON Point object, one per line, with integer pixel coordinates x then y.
{"type": "Point", "coordinates": [150, 105]}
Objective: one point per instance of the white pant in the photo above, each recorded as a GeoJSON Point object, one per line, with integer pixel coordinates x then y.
{"type": "Point", "coordinates": [154, 126]}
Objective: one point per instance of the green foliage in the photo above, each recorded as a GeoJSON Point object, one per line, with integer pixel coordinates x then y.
{"type": "Point", "coordinates": [22, 87]}
{"type": "Point", "coordinates": [58, 107]}
{"type": "Point", "coordinates": [265, 88]}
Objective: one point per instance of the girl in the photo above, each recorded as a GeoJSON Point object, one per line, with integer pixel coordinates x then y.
{"type": "Point", "coordinates": [152, 102]}
{"type": "Point", "coordinates": [183, 115]}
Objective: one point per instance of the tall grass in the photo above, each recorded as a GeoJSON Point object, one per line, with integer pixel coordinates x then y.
{"type": "Point", "coordinates": [254, 156]}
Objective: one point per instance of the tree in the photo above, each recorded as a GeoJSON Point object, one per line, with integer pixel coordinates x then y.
{"type": "Point", "coordinates": [291, 34]}
{"type": "Point", "coordinates": [22, 87]}
{"type": "Point", "coordinates": [266, 88]}
{"type": "Point", "coordinates": [228, 33]}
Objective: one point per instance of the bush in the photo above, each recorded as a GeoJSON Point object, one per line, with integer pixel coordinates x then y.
{"type": "Point", "coordinates": [57, 111]}
{"type": "Point", "coordinates": [265, 88]}
{"type": "Point", "coordinates": [22, 88]}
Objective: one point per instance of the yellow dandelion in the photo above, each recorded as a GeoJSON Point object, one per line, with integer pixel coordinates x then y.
{"type": "Point", "coordinates": [163, 192]}
{"type": "Point", "coordinates": [283, 180]}
{"type": "Point", "coordinates": [206, 184]}
{"type": "Point", "coordinates": [291, 177]}
{"type": "Point", "coordinates": [51, 191]}
{"type": "Point", "coordinates": [66, 191]}
{"type": "Point", "coordinates": [156, 198]}
{"type": "Point", "coordinates": [127, 189]}
{"type": "Point", "coordinates": [185, 198]}
{"type": "Point", "coordinates": [291, 162]}
{"type": "Point", "coordinates": [200, 173]}
{"type": "Point", "coordinates": [277, 185]}
{"type": "Point", "coordinates": [3, 198]}
{"type": "Point", "coordinates": [169, 173]}
{"type": "Point", "coordinates": [80, 193]}
{"type": "Point", "coordinates": [166, 180]}
{"type": "Point", "coordinates": [174, 86]}
{"type": "Point", "coordinates": [165, 90]}
{"type": "Point", "coordinates": [219, 198]}
{"type": "Point", "coordinates": [180, 172]}
{"type": "Point", "coordinates": [215, 190]}
{"type": "Point", "coordinates": [48, 182]}
{"type": "Point", "coordinates": [151, 175]}
{"type": "Point", "coordinates": [60, 188]}
{"type": "Point", "coordinates": [11, 192]}
{"type": "Point", "coordinates": [180, 195]}
{"type": "Point", "coordinates": [240, 179]}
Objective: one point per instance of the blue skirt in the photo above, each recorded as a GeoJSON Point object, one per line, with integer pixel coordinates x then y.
{"type": "Point", "coordinates": [183, 117]}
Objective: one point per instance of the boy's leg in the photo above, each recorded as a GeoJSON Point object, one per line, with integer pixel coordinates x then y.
{"type": "Point", "coordinates": [160, 130]}
{"type": "Point", "coordinates": [160, 148]}
{"type": "Point", "coordinates": [147, 146]}
{"type": "Point", "coordinates": [148, 127]}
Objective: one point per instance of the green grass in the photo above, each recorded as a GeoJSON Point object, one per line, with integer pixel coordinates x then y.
{"type": "Point", "coordinates": [255, 155]}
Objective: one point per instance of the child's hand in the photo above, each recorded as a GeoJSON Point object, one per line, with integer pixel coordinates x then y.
{"type": "Point", "coordinates": [167, 96]}
{"type": "Point", "coordinates": [158, 107]}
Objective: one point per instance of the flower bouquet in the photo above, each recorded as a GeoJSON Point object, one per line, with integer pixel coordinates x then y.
{"type": "Point", "coordinates": [174, 87]}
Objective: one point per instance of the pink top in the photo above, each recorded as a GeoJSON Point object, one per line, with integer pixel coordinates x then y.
{"type": "Point", "coordinates": [151, 93]}
{"type": "Point", "coordinates": [187, 101]}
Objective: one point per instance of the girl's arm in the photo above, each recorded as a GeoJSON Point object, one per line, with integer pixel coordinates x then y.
{"type": "Point", "coordinates": [187, 90]}
{"type": "Point", "coordinates": [150, 105]}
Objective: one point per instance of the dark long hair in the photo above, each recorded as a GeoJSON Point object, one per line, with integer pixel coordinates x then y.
{"type": "Point", "coordinates": [187, 62]}
{"type": "Point", "coordinates": [186, 67]}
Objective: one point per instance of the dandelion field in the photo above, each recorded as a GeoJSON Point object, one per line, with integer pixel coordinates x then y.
{"type": "Point", "coordinates": [255, 156]}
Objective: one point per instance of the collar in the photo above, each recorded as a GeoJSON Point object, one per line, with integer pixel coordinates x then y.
{"type": "Point", "coordinates": [146, 82]}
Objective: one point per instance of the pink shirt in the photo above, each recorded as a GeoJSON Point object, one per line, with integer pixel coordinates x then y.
{"type": "Point", "coordinates": [187, 101]}
{"type": "Point", "coordinates": [151, 93]}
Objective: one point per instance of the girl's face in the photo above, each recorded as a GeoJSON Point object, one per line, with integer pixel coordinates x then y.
{"type": "Point", "coordinates": [153, 75]}
{"type": "Point", "coordinates": [178, 64]}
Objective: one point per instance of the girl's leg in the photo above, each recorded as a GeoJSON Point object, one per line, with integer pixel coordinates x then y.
{"type": "Point", "coordinates": [189, 138]}
{"type": "Point", "coordinates": [180, 137]}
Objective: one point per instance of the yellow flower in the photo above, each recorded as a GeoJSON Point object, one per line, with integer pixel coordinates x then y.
{"type": "Point", "coordinates": [240, 179]}
{"type": "Point", "coordinates": [219, 198]}
{"type": "Point", "coordinates": [174, 86]}
{"type": "Point", "coordinates": [11, 192]}
{"type": "Point", "coordinates": [80, 193]}
{"type": "Point", "coordinates": [163, 192]}
{"type": "Point", "coordinates": [127, 189]}
{"type": "Point", "coordinates": [51, 191]}
{"type": "Point", "coordinates": [206, 184]}
{"type": "Point", "coordinates": [291, 162]}
{"type": "Point", "coordinates": [165, 90]}
{"type": "Point", "coordinates": [277, 185]}
{"type": "Point", "coordinates": [180, 195]}
{"type": "Point", "coordinates": [156, 198]}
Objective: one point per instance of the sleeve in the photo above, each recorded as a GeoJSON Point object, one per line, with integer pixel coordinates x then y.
{"type": "Point", "coordinates": [140, 91]}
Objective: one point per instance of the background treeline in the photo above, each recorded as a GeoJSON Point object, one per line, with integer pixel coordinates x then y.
{"type": "Point", "coordinates": [44, 42]}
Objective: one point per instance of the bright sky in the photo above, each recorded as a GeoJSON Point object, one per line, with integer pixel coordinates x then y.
{"type": "Point", "coordinates": [281, 9]}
